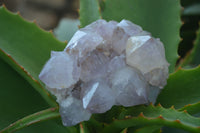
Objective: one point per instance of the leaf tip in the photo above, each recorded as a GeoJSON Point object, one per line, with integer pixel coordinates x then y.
{"type": "Point", "coordinates": [178, 121]}
{"type": "Point", "coordinates": [81, 125]}
{"type": "Point", "coordinates": [159, 105]}
{"type": "Point", "coordinates": [35, 22]}
{"type": "Point", "coordinates": [141, 114]}
{"type": "Point", "coordinates": [78, 10]}
{"type": "Point", "coordinates": [151, 104]}
{"type": "Point", "coordinates": [65, 42]}
{"type": "Point", "coordinates": [4, 6]}
{"type": "Point", "coordinates": [53, 109]}
{"type": "Point", "coordinates": [182, 22]}
{"type": "Point", "coordinates": [182, 8]}
{"type": "Point", "coordinates": [187, 105]}
{"type": "Point", "coordinates": [172, 107]}
{"type": "Point", "coordinates": [127, 116]}
{"type": "Point", "coordinates": [185, 111]}
{"type": "Point", "coordinates": [179, 68]}
{"type": "Point", "coordinates": [125, 130]}
{"type": "Point", "coordinates": [19, 14]}
{"type": "Point", "coordinates": [51, 31]}
{"type": "Point", "coordinates": [161, 117]}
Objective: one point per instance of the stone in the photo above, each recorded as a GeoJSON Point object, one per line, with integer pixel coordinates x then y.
{"type": "Point", "coordinates": [59, 71]}
{"type": "Point", "coordinates": [158, 76]}
{"type": "Point", "coordinates": [129, 28]}
{"type": "Point", "coordinates": [72, 111]}
{"type": "Point", "coordinates": [106, 31]}
{"type": "Point", "coordinates": [116, 63]}
{"type": "Point", "coordinates": [97, 96]}
{"type": "Point", "coordinates": [148, 55]}
{"type": "Point", "coordinates": [122, 32]}
{"type": "Point", "coordinates": [129, 86]}
{"type": "Point", "coordinates": [94, 66]}
{"type": "Point", "coordinates": [105, 64]}
{"type": "Point", "coordinates": [83, 43]}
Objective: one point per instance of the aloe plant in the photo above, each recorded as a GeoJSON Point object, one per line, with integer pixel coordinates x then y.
{"type": "Point", "coordinates": [26, 106]}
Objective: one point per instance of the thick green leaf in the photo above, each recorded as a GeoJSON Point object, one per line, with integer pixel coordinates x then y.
{"type": "Point", "coordinates": [124, 131]}
{"type": "Point", "coordinates": [39, 117]}
{"type": "Point", "coordinates": [108, 116]}
{"type": "Point", "coordinates": [149, 129]}
{"type": "Point", "coordinates": [182, 88]}
{"type": "Point", "coordinates": [193, 58]}
{"type": "Point", "coordinates": [50, 126]}
{"type": "Point", "coordinates": [31, 119]}
{"type": "Point", "coordinates": [173, 130]}
{"type": "Point", "coordinates": [66, 29]}
{"type": "Point", "coordinates": [89, 12]}
{"type": "Point", "coordinates": [17, 97]}
{"type": "Point", "coordinates": [26, 48]}
{"type": "Point", "coordinates": [191, 108]}
{"type": "Point", "coordinates": [93, 126]}
{"type": "Point", "coordinates": [152, 115]}
{"type": "Point", "coordinates": [160, 17]}
{"type": "Point", "coordinates": [83, 128]}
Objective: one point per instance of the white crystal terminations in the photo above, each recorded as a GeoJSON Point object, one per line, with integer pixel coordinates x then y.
{"type": "Point", "coordinates": [105, 64]}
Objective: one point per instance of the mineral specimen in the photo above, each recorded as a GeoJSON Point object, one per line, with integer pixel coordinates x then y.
{"type": "Point", "coordinates": [105, 64]}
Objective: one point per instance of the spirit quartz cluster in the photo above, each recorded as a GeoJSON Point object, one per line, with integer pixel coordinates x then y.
{"type": "Point", "coordinates": [105, 64]}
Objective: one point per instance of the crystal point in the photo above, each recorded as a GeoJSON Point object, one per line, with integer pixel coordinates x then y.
{"type": "Point", "coordinates": [72, 111]}
{"type": "Point", "coordinates": [147, 54]}
{"type": "Point", "coordinates": [58, 71]}
{"type": "Point", "coordinates": [97, 96]}
{"type": "Point", "coordinates": [130, 87]}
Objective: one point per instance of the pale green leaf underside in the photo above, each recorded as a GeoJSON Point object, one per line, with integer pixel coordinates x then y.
{"type": "Point", "coordinates": [17, 97]}
{"type": "Point", "coordinates": [89, 12]}
{"type": "Point", "coordinates": [66, 29]}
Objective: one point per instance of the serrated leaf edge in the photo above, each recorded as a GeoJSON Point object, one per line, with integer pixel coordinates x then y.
{"type": "Point", "coordinates": [12, 62]}
{"type": "Point", "coordinates": [160, 120]}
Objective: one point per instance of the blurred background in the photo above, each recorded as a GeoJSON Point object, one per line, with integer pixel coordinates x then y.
{"type": "Point", "coordinates": [63, 14]}
{"type": "Point", "coordinates": [47, 13]}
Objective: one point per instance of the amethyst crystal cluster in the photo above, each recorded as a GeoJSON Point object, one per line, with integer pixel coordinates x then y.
{"type": "Point", "coordinates": [105, 64]}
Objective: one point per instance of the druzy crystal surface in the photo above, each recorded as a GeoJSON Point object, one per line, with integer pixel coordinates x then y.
{"type": "Point", "coordinates": [105, 64]}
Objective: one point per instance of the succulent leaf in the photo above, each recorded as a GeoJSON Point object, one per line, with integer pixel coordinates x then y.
{"type": "Point", "coordinates": [89, 12]}
{"type": "Point", "coordinates": [151, 115]}
{"type": "Point", "coordinates": [26, 48]}
{"type": "Point", "coordinates": [182, 88]}
{"type": "Point", "coordinates": [193, 57]}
